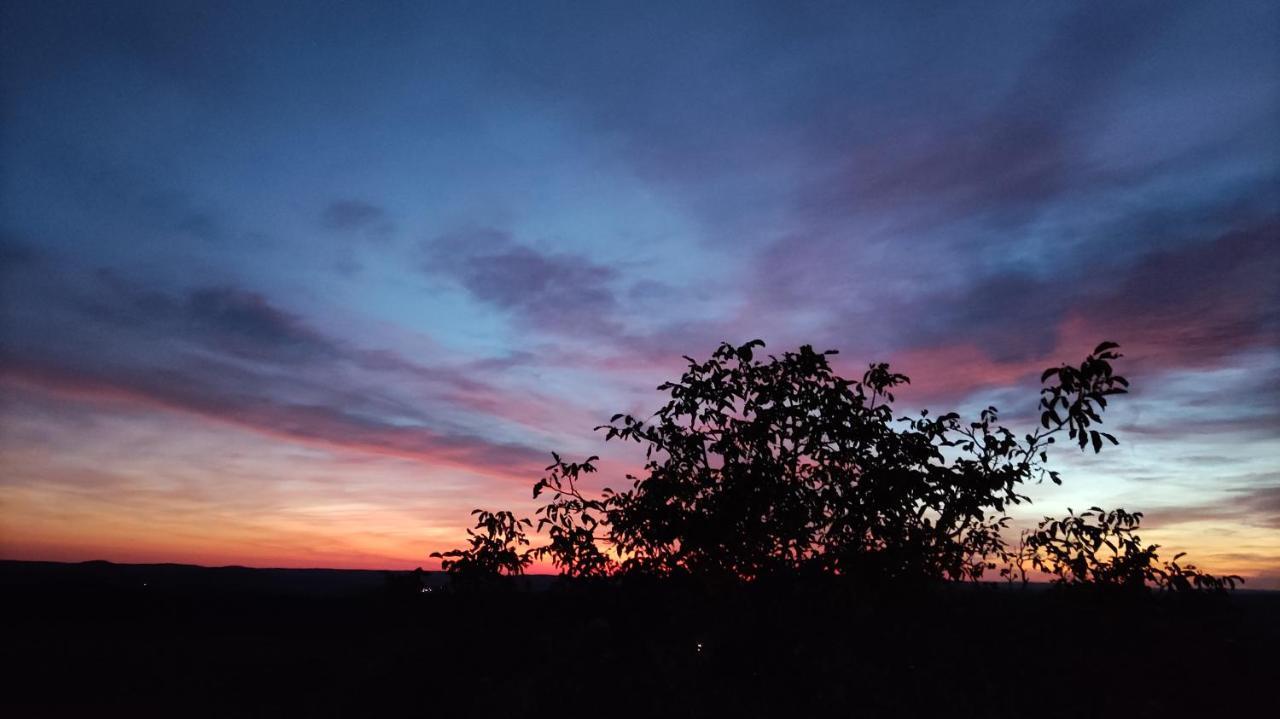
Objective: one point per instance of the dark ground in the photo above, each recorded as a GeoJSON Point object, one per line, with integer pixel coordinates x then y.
{"type": "Point", "coordinates": [98, 639]}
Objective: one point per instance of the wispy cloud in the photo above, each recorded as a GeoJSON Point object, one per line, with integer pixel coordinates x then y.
{"type": "Point", "coordinates": [356, 215]}
{"type": "Point", "coordinates": [556, 291]}
{"type": "Point", "coordinates": [1253, 505]}
{"type": "Point", "coordinates": [231, 355]}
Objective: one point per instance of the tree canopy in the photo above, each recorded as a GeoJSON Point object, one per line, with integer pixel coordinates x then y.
{"type": "Point", "coordinates": [760, 465]}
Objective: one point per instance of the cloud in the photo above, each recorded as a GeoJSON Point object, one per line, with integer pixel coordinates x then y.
{"type": "Point", "coordinates": [231, 355]}
{"type": "Point", "coordinates": [1193, 302]}
{"type": "Point", "coordinates": [229, 319]}
{"type": "Point", "coordinates": [352, 215]}
{"type": "Point", "coordinates": [247, 320]}
{"type": "Point", "coordinates": [14, 252]}
{"type": "Point", "coordinates": [336, 420]}
{"type": "Point", "coordinates": [1255, 506]}
{"type": "Point", "coordinates": [202, 225]}
{"type": "Point", "coordinates": [560, 292]}
{"type": "Point", "coordinates": [1021, 151]}
{"type": "Point", "coordinates": [1185, 299]}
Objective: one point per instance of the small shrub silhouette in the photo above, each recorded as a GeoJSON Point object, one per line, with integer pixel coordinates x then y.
{"type": "Point", "coordinates": [1100, 548]}
{"type": "Point", "coordinates": [764, 467]}
{"type": "Point", "coordinates": [496, 549]}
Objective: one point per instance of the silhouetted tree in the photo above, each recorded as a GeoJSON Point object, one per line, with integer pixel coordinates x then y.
{"type": "Point", "coordinates": [762, 467]}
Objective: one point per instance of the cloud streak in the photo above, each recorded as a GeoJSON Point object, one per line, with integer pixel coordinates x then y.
{"type": "Point", "coordinates": [231, 355]}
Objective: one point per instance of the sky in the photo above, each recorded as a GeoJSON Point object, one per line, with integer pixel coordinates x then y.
{"type": "Point", "coordinates": [301, 284]}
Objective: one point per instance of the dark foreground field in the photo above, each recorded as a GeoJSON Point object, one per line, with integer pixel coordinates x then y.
{"type": "Point", "coordinates": [163, 640]}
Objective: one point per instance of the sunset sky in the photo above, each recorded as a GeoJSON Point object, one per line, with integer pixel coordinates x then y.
{"type": "Point", "coordinates": [301, 284]}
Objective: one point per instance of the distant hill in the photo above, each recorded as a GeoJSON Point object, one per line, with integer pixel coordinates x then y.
{"type": "Point", "coordinates": [193, 579]}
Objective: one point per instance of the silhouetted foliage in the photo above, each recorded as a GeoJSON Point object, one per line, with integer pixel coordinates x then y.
{"type": "Point", "coordinates": [571, 521]}
{"type": "Point", "coordinates": [496, 550]}
{"type": "Point", "coordinates": [765, 467]}
{"type": "Point", "coordinates": [1100, 548]}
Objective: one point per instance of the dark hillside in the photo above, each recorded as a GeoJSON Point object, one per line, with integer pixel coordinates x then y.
{"type": "Point", "coordinates": [92, 639]}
